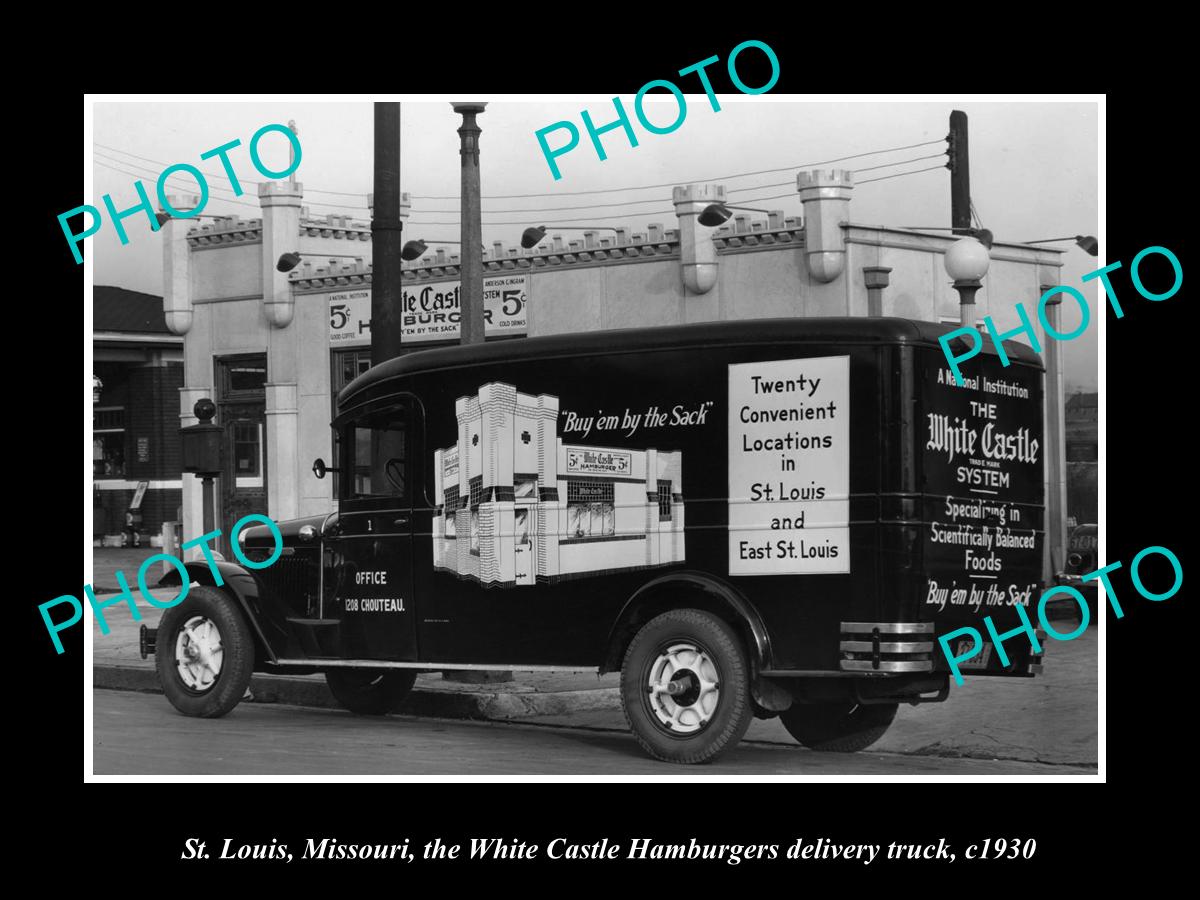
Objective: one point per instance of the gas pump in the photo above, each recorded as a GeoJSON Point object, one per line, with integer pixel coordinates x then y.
{"type": "Point", "coordinates": [201, 449]}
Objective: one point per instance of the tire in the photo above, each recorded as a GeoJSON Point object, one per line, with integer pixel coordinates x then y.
{"type": "Point", "coordinates": [703, 655]}
{"type": "Point", "coordinates": [204, 653]}
{"type": "Point", "coordinates": [838, 727]}
{"type": "Point", "coordinates": [370, 692]}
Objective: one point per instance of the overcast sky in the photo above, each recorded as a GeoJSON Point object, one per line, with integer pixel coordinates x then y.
{"type": "Point", "coordinates": [1033, 168]}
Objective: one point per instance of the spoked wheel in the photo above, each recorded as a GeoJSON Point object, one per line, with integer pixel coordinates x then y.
{"type": "Point", "coordinates": [838, 727]}
{"type": "Point", "coordinates": [685, 687]}
{"type": "Point", "coordinates": [205, 654]}
{"type": "Point", "coordinates": [370, 692]}
{"type": "Point", "coordinates": [199, 654]}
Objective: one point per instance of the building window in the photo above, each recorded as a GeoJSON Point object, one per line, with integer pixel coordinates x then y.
{"type": "Point", "coordinates": [475, 531]}
{"type": "Point", "coordinates": [451, 511]}
{"type": "Point", "coordinates": [664, 500]}
{"type": "Point", "coordinates": [590, 508]}
{"type": "Point", "coordinates": [521, 527]}
{"type": "Point", "coordinates": [108, 442]}
{"type": "Point", "coordinates": [243, 376]}
{"type": "Point", "coordinates": [525, 487]}
{"type": "Point", "coordinates": [247, 449]}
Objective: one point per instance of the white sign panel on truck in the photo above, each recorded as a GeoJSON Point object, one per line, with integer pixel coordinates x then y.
{"type": "Point", "coordinates": [789, 466]}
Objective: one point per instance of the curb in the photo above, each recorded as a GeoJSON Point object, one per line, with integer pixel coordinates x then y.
{"type": "Point", "coordinates": [441, 704]}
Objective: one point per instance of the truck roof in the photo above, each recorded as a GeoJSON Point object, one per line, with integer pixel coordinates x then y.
{"type": "Point", "coordinates": [821, 330]}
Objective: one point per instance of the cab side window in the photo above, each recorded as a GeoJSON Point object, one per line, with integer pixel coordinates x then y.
{"type": "Point", "coordinates": [376, 459]}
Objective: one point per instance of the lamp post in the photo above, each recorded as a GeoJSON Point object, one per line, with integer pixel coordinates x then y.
{"type": "Point", "coordinates": [471, 293]}
{"type": "Point", "coordinates": [966, 263]}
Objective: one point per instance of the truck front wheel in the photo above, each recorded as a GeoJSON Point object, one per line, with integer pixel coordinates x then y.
{"type": "Point", "coordinates": [685, 687]}
{"type": "Point", "coordinates": [370, 692]}
{"type": "Point", "coordinates": [204, 653]}
{"type": "Point", "coordinates": [838, 727]}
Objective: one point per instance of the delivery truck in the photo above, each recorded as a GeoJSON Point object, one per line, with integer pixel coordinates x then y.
{"type": "Point", "coordinates": [745, 519]}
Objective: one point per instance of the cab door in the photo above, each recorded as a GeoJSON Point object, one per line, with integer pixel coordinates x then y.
{"type": "Point", "coordinates": [373, 595]}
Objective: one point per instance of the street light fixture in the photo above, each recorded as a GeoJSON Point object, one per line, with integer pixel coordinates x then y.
{"type": "Point", "coordinates": [719, 213]}
{"type": "Point", "coordinates": [1086, 242]}
{"type": "Point", "coordinates": [530, 237]}
{"type": "Point", "coordinates": [416, 249]}
{"type": "Point", "coordinates": [164, 217]}
{"type": "Point", "coordinates": [983, 235]}
{"type": "Point", "coordinates": [289, 261]}
{"type": "Point", "coordinates": [967, 262]}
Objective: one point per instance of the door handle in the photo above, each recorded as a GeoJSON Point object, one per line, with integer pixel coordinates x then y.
{"type": "Point", "coordinates": [402, 520]}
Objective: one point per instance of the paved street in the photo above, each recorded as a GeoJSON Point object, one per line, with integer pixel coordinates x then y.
{"type": "Point", "coordinates": [139, 733]}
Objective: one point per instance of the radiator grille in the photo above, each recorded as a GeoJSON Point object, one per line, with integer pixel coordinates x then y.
{"type": "Point", "coordinates": [293, 579]}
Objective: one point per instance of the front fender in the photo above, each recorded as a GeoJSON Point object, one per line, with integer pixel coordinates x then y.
{"type": "Point", "coordinates": [241, 584]}
{"type": "Point", "coordinates": [682, 589]}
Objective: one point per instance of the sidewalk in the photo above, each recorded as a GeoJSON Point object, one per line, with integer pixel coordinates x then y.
{"type": "Point", "coordinates": [1048, 719]}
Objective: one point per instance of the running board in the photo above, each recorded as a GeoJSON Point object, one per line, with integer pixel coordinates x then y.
{"type": "Point", "coordinates": [397, 664]}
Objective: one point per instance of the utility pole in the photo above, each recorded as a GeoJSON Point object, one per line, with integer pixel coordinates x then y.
{"type": "Point", "coordinates": [471, 292]}
{"type": "Point", "coordinates": [960, 174]}
{"type": "Point", "coordinates": [386, 287]}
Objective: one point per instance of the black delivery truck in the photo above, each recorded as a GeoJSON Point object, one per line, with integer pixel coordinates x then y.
{"type": "Point", "coordinates": [755, 518]}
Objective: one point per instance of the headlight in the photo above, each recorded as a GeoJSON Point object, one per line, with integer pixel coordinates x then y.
{"type": "Point", "coordinates": [242, 538]}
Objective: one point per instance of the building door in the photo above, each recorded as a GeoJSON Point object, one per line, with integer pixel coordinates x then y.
{"type": "Point", "coordinates": [241, 412]}
{"type": "Point", "coordinates": [525, 527]}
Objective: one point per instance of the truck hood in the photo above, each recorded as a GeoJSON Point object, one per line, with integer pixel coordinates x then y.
{"type": "Point", "coordinates": [260, 535]}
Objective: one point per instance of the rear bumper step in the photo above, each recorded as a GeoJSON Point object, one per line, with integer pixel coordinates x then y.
{"type": "Point", "coordinates": [884, 647]}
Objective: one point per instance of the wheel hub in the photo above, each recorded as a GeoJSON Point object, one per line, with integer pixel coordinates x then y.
{"type": "Point", "coordinates": [684, 688]}
{"type": "Point", "coordinates": [199, 653]}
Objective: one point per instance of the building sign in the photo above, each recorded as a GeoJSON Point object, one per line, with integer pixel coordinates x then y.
{"type": "Point", "coordinates": [789, 467]}
{"type": "Point", "coordinates": [450, 464]}
{"type": "Point", "coordinates": [598, 462]}
{"type": "Point", "coordinates": [432, 312]}
{"type": "Point", "coordinates": [350, 319]}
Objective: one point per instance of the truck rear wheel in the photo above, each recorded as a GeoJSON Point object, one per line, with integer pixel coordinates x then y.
{"type": "Point", "coordinates": [685, 687]}
{"type": "Point", "coordinates": [204, 653]}
{"type": "Point", "coordinates": [370, 692]}
{"type": "Point", "coordinates": [838, 727]}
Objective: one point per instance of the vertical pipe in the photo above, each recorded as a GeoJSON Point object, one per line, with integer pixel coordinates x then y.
{"type": "Point", "coordinates": [1056, 450]}
{"type": "Point", "coordinates": [471, 292]}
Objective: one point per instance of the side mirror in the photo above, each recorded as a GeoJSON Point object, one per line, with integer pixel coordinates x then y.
{"type": "Point", "coordinates": [318, 467]}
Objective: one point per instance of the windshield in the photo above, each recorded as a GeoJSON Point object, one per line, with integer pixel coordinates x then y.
{"type": "Point", "coordinates": [375, 459]}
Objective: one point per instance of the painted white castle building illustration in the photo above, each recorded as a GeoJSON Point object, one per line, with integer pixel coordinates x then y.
{"type": "Point", "coordinates": [517, 506]}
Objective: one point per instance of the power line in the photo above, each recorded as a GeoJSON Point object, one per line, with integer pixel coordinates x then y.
{"type": "Point", "coordinates": [216, 187]}
{"type": "Point", "coordinates": [642, 187]}
{"type": "Point", "coordinates": [900, 174]}
{"type": "Point", "coordinates": [900, 162]}
{"type": "Point", "coordinates": [215, 175]}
